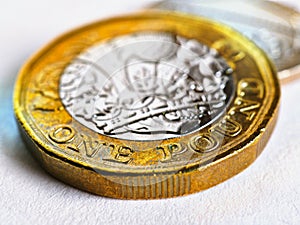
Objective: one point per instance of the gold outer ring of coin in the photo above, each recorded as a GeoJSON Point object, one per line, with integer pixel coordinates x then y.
{"type": "Point", "coordinates": [137, 169]}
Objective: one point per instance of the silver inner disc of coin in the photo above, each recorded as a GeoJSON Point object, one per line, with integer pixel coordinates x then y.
{"type": "Point", "coordinates": [147, 86]}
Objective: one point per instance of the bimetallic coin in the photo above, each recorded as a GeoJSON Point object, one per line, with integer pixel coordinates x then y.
{"type": "Point", "coordinates": [273, 27]}
{"type": "Point", "coordinates": [147, 106]}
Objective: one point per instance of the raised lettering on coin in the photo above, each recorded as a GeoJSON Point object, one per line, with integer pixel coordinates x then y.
{"type": "Point", "coordinates": [62, 134]}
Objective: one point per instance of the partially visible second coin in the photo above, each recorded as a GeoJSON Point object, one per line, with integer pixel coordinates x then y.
{"type": "Point", "coordinates": [273, 27]}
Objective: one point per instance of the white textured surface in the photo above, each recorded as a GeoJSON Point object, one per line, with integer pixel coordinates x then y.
{"type": "Point", "coordinates": [266, 193]}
